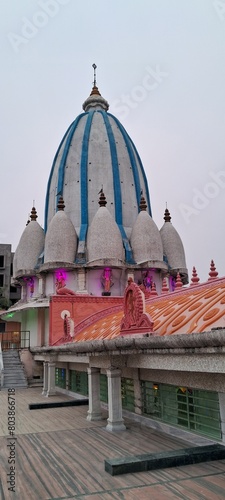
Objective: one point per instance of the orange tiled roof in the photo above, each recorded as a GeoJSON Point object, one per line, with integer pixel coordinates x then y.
{"type": "Point", "coordinates": [194, 309]}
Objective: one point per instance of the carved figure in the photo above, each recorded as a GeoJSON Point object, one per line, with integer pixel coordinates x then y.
{"type": "Point", "coordinates": [61, 288]}
{"type": "Point", "coordinates": [106, 279]}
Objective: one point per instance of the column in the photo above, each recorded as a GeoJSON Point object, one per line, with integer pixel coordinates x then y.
{"type": "Point", "coordinates": [51, 379]}
{"type": "Point", "coordinates": [94, 411]}
{"type": "Point", "coordinates": [222, 414]}
{"type": "Point", "coordinates": [81, 279]}
{"type": "Point", "coordinates": [45, 378]}
{"type": "Point", "coordinates": [115, 420]}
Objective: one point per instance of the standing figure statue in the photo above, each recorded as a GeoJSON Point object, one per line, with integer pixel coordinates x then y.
{"type": "Point", "coordinates": [106, 280]}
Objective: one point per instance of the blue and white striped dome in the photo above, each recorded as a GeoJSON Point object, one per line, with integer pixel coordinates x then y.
{"type": "Point", "coordinates": [96, 152]}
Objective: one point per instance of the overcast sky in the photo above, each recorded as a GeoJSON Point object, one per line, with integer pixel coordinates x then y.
{"type": "Point", "coordinates": [161, 66]}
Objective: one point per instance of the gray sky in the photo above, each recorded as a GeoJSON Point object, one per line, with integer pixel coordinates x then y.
{"type": "Point", "coordinates": [161, 66]}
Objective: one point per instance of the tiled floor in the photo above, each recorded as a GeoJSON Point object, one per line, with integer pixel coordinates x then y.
{"type": "Point", "coordinates": [60, 455]}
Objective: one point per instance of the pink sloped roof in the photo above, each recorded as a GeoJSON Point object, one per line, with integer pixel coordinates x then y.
{"type": "Point", "coordinates": [194, 309]}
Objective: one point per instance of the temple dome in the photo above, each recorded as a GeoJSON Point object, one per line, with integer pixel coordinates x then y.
{"type": "Point", "coordinates": [96, 150]}
{"type": "Point", "coordinates": [104, 241]}
{"type": "Point", "coordinates": [146, 241]}
{"type": "Point", "coordinates": [61, 238]}
{"type": "Point", "coordinates": [29, 248]}
{"type": "Point", "coordinates": [173, 248]}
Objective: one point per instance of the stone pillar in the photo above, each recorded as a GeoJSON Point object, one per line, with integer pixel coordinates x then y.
{"type": "Point", "coordinates": [81, 279]}
{"type": "Point", "coordinates": [51, 379]}
{"type": "Point", "coordinates": [222, 414]}
{"type": "Point", "coordinates": [115, 420]}
{"type": "Point", "coordinates": [94, 411]}
{"type": "Point", "coordinates": [45, 381]}
{"type": "Point", "coordinates": [41, 285]}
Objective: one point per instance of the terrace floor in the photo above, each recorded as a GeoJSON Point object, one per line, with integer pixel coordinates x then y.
{"type": "Point", "coordinates": [60, 455]}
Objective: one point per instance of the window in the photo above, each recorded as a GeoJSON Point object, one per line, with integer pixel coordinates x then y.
{"type": "Point", "coordinates": [193, 409]}
{"type": "Point", "coordinates": [103, 388]}
{"type": "Point", "coordinates": [2, 261]}
{"type": "Point", "coordinates": [60, 377]}
{"type": "Point", "coordinates": [78, 382]}
{"type": "Point", "coordinates": [1, 280]}
{"type": "Point", "coordinates": [127, 392]}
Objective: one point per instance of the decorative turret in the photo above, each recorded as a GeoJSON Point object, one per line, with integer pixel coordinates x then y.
{"type": "Point", "coordinates": [61, 238]}
{"type": "Point", "coordinates": [165, 288]}
{"type": "Point", "coordinates": [173, 248]}
{"type": "Point", "coordinates": [30, 247]}
{"type": "Point", "coordinates": [145, 240]}
{"type": "Point", "coordinates": [104, 241]}
{"type": "Point", "coordinates": [178, 284]}
{"type": "Point", "coordinates": [213, 273]}
{"type": "Point", "coordinates": [195, 278]}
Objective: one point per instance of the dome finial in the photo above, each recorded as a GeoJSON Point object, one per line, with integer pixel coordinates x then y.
{"type": "Point", "coordinates": [95, 100]}
{"type": "Point", "coordinates": [33, 215]}
{"type": "Point", "coordinates": [61, 204]}
{"type": "Point", "coordinates": [94, 67]}
{"type": "Point", "coordinates": [143, 204]}
{"type": "Point", "coordinates": [167, 217]}
{"type": "Point", "coordinates": [102, 199]}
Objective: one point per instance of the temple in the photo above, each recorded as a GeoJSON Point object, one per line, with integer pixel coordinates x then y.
{"type": "Point", "coordinates": [106, 310]}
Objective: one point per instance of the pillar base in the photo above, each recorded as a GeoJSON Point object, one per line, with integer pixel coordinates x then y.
{"type": "Point", "coordinates": [115, 426]}
{"type": "Point", "coordinates": [44, 393]}
{"type": "Point", "coordinates": [50, 393]}
{"type": "Point", "coordinates": [94, 416]}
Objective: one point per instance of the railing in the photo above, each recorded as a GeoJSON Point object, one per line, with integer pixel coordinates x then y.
{"type": "Point", "coordinates": [15, 340]}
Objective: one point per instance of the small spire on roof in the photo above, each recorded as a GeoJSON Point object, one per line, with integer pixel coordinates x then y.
{"type": "Point", "coordinates": [153, 290]}
{"type": "Point", "coordinates": [165, 288]}
{"type": "Point", "coordinates": [195, 279]}
{"type": "Point", "coordinates": [212, 273]}
{"type": "Point", "coordinates": [167, 217]}
{"type": "Point", "coordinates": [33, 215]}
{"type": "Point", "coordinates": [102, 199]}
{"type": "Point", "coordinates": [61, 204]}
{"type": "Point", "coordinates": [178, 283]}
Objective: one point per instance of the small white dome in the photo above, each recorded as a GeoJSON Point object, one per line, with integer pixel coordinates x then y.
{"type": "Point", "coordinates": [145, 240]}
{"type": "Point", "coordinates": [104, 241]}
{"type": "Point", "coordinates": [173, 247]}
{"type": "Point", "coordinates": [30, 247]}
{"type": "Point", "coordinates": [61, 238]}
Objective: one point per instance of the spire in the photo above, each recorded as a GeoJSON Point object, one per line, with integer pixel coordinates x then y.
{"type": "Point", "coordinates": [167, 217]}
{"type": "Point", "coordinates": [33, 215]}
{"type": "Point", "coordinates": [95, 90]}
{"type": "Point", "coordinates": [102, 199]}
{"type": "Point", "coordinates": [195, 278]}
{"type": "Point", "coordinates": [95, 100]}
{"type": "Point", "coordinates": [94, 67]}
{"type": "Point", "coordinates": [143, 204]}
{"type": "Point", "coordinates": [61, 204]}
{"type": "Point", "coordinates": [165, 288]}
{"type": "Point", "coordinates": [213, 273]}
{"type": "Point", "coordinates": [153, 290]}
{"type": "Point", "coordinates": [178, 283]}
